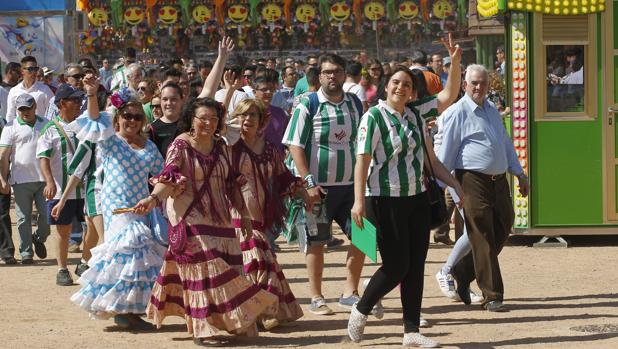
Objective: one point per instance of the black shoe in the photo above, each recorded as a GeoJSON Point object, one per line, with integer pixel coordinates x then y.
{"type": "Point", "coordinates": [39, 248]}
{"type": "Point", "coordinates": [334, 242]}
{"type": "Point", "coordinates": [27, 260]}
{"type": "Point", "coordinates": [445, 239]}
{"type": "Point", "coordinates": [9, 260]}
{"type": "Point", "coordinates": [495, 306]}
{"type": "Point", "coordinates": [63, 278]}
{"type": "Point", "coordinates": [81, 268]}
{"type": "Point", "coordinates": [464, 293]}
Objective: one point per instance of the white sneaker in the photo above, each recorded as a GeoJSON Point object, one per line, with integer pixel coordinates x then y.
{"type": "Point", "coordinates": [474, 298]}
{"type": "Point", "coordinates": [415, 339]}
{"type": "Point", "coordinates": [378, 309]}
{"type": "Point", "coordinates": [423, 323]}
{"type": "Point", "coordinates": [356, 325]}
{"type": "Point", "coordinates": [446, 282]}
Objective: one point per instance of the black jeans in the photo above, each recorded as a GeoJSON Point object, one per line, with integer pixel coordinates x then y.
{"type": "Point", "coordinates": [403, 239]}
{"type": "Point", "coordinates": [7, 248]}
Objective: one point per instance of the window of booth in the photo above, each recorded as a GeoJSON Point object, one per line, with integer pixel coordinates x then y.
{"type": "Point", "coordinates": [566, 51]}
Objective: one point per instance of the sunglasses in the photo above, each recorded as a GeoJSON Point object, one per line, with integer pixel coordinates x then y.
{"type": "Point", "coordinates": [153, 106]}
{"type": "Point", "coordinates": [134, 117]}
{"type": "Point", "coordinates": [32, 69]}
{"type": "Point", "coordinates": [76, 100]}
{"type": "Point", "coordinates": [142, 88]}
{"type": "Point", "coordinates": [77, 76]}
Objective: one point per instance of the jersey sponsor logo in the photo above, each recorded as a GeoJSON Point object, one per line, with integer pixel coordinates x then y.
{"type": "Point", "coordinates": [340, 135]}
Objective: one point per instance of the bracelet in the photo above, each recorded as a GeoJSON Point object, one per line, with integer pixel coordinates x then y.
{"type": "Point", "coordinates": [156, 198]}
{"type": "Point", "coordinates": [310, 181]}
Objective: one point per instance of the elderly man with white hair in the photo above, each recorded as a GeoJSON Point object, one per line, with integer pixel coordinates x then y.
{"type": "Point", "coordinates": [476, 146]}
{"type": "Point", "coordinates": [135, 74]}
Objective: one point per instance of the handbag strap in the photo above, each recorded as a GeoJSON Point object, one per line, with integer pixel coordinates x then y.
{"type": "Point", "coordinates": [427, 158]}
{"type": "Point", "coordinates": [64, 135]}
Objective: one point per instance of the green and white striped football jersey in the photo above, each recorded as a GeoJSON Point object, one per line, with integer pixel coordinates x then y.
{"type": "Point", "coordinates": [394, 143]}
{"type": "Point", "coordinates": [328, 137]}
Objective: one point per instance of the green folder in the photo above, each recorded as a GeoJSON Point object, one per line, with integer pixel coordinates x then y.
{"type": "Point", "coordinates": [365, 239]}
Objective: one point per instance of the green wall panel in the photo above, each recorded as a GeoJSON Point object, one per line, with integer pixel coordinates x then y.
{"type": "Point", "coordinates": [567, 184]}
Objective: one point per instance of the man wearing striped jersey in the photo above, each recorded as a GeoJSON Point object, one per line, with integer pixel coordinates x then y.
{"type": "Point", "coordinates": [55, 148]}
{"type": "Point", "coordinates": [320, 137]}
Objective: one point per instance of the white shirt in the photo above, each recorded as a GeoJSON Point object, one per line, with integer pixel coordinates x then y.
{"type": "Point", "coordinates": [357, 89]}
{"type": "Point", "coordinates": [233, 129]}
{"type": "Point", "coordinates": [41, 93]}
{"type": "Point", "coordinates": [22, 139]}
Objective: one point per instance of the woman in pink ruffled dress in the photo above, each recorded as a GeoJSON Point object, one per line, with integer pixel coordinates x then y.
{"type": "Point", "coordinates": [202, 278]}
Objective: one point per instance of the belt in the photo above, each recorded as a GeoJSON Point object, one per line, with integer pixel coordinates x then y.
{"type": "Point", "coordinates": [488, 177]}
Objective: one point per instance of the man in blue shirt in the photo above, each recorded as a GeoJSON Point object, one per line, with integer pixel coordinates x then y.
{"type": "Point", "coordinates": [476, 146]}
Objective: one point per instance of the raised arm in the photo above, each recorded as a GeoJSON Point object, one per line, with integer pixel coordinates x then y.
{"type": "Point", "coordinates": [211, 85]}
{"type": "Point", "coordinates": [449, 94]}
{"type": "Point", "coordinates": [91, 86]}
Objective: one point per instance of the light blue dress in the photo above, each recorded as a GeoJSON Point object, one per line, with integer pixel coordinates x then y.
{"type": "Point", "coordinates": [123, 268]}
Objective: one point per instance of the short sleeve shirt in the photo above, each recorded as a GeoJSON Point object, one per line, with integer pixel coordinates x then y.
{"type": "Point", "coordinates": [394, 142]}
{"type": "Point", "coordinates": [22, 139]}
{"type": "Point", "coordinates": [59, 150]}
{"type": "Point", "coordinates": [328, 138]}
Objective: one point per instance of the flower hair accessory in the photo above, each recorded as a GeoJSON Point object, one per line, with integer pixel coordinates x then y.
{"type": "Point", "coordinates": [121, 97]}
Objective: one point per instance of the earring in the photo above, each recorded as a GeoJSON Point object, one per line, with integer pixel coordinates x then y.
{"type": "Point", "coordinates": [192, 132]}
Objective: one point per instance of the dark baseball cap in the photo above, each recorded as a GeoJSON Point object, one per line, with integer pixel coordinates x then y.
{"type": "Point", "coordinates": [67, 91]}
{"type": "Point", "coordinates": [24, 100]}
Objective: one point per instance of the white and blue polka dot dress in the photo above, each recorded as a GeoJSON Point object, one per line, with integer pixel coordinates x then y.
{"type": "Point", "coordinates": [123, 268]}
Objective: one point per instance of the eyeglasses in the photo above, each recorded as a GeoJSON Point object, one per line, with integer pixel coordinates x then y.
{"type": "Point", "coordinates": [134, 117]}
{"type": "Point", "coordinates": [209, 119]}
{"type": "Point", "coordinates": [248, 76]}
{"type": "Point", "coordinates": [266, 90]}
{"type": "Point", "coordinates": [32, 69]}
{"type": "Point", "coordinates": [154, 106]}
{"type": "Point", "coordinates": [333, 72]}
{"type": "Point", "coordinates": [142, 88]}
{"type": "Point", "coordinates": [78, 76]}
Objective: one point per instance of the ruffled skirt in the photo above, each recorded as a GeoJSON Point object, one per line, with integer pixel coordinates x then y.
{"type": "Point", "coordinates": [204, 284]}
{"type": "Point", "coordinates": [261, 267]}
{"type": "Point", "coordinates": [122, 270]}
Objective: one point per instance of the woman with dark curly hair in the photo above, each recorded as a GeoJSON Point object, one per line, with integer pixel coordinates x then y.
{"type": "Point", "coordinates": [201, 278]}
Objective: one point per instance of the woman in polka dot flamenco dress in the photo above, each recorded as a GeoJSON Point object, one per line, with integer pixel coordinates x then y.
{"type": "Point", "coordinates": [123, 268]}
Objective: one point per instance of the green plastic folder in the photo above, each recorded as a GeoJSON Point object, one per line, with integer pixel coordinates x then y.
{"type": "Point", "coordinates": [365, 239]}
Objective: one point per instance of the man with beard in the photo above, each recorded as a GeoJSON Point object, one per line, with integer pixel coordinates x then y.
{"type": "Point", "coordinates": [320, 137]}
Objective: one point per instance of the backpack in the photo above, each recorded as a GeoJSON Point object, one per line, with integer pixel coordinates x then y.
{"type": "Point", "coordinates": [314, 104]}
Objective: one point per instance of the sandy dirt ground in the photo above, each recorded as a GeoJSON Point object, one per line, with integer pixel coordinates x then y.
{"type": "Point", "coordinates": [557, 298]}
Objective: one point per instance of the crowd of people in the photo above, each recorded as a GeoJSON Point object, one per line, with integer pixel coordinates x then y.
{"type": "Point", "coordinates": [187, 174]}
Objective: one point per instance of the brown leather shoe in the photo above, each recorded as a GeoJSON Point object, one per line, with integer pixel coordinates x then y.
{"type": "Point", "coordinates": [445, 239]}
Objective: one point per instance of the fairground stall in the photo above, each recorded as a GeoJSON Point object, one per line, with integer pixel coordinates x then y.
{"type": "Point", "coordinates": [562, 72]}
{"type": "Point", "coordinates": [164, 28]}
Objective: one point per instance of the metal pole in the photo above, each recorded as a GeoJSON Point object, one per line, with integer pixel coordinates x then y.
{"type": "Point", "coordinates": [378, 53]}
